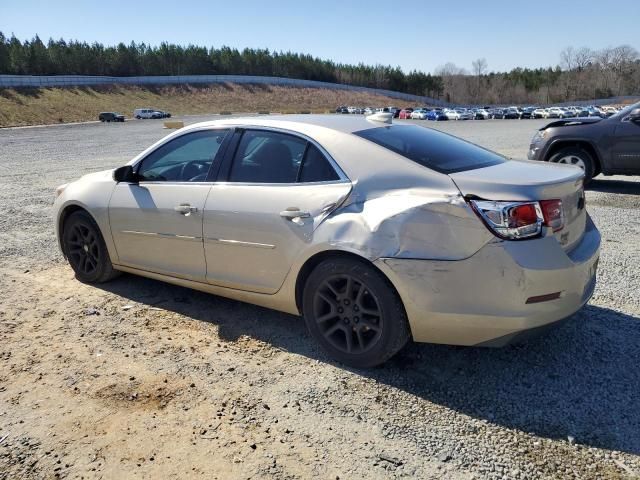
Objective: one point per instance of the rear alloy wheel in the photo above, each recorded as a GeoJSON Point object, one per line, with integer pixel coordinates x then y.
{"type": "Point", "coordinates": [578, 157]}
{"type": "Point", "coordinates": [354, 313]}
{"type": "Point", "coordinates": [85, 249]}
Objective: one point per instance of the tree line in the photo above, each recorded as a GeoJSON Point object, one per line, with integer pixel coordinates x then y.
{"type": "Point", "coordinates": [581, 74]}
{"type": "Point", "coordinates": [57, 57]}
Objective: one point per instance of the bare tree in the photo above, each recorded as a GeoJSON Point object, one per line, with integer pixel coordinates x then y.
{"type": "Point", "coordinates": [479, 67]}
{"type": "Point", "coordinates": [567, 58]}
{"type": "Point", "coordinates": [582, 58]}
{"type": "Point", "coordinates": [449, 69]}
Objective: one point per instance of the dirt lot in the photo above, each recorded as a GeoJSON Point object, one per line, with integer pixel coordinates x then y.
{"type": "Point", "coordinates": [138, 379]}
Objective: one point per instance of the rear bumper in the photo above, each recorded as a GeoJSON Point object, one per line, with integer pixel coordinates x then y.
{"type": "Point", "coordinates": [482, 300]}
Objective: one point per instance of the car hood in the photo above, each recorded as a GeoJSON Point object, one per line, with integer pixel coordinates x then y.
{"type": "Point", "coordinates": [97, 176]}
{"type": "Point", "coordinates": [568, 122]}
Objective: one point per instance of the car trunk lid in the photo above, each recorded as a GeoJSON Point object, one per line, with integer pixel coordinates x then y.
{"type": "Point", "coordinates": [517, 180]}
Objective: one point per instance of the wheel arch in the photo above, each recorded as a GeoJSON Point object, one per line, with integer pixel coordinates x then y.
{"type": "Point", "coordinates": [66, 211]}
{"type": "Point", "coordinates": [312, 262]}
{"type": "Point", "coordinates": [578, 143]}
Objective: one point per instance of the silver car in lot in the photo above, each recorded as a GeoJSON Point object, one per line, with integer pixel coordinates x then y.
{"type": "Point", "coordinates": [375, 232]}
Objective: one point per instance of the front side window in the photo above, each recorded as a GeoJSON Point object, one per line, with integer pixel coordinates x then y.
{"type": "Point", "coordinates": [187, 158]}
{"type": "Point", "coordinates": [430, 148]}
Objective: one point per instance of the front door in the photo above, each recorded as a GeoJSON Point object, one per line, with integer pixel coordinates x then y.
{"type": "Point", "coordinates": [626, 149]}
{"type": "Point", "coordinates": [279, 188]}
{"type": "Point", "coordinates": [156, 223]}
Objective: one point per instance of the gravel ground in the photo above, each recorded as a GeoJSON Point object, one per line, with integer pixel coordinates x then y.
{"type": "Point", "coordinates": [141, 379]}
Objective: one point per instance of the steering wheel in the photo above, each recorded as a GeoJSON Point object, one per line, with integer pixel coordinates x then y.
{"type": "Point", "coordinates": [194, 169]}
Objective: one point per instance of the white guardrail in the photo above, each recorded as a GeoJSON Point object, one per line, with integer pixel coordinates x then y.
{"type": "Point", "coordinates": [37, 81]}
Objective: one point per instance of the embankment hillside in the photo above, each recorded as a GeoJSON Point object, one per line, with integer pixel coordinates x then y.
{"type": "Point", "coordinates": [62, 105]}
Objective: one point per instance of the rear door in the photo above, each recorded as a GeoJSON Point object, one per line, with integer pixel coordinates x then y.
{"type": "Point", "coordinates": [277, 189]}
{"type": "Point", "coordinates": [156, 223]}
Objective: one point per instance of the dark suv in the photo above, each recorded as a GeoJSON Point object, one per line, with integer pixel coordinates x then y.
{"type": "Point", "coordinates": [610, 146]}
{"type": "Point", "coordinates": [110, 117]}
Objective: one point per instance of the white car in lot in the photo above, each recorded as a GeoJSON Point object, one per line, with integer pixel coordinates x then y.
{"type": "Point", "coordinates": [540, 113]}
{"type": "Point", "coordinates": [465, 114]}
{"type": "Point", "coordinates": [420, 114]}
{"type": "Point", "coordinates": [555, 112]}
{"type": "Point", "coordinates": [142, 113]}
{"type": "Point", "coordinates": [451, 114]}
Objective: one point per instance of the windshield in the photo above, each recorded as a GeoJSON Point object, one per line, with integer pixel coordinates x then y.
{"type": "Point", "coordinates": [625, 110]}
{"type": "Point", "coordinates": [431, 148]}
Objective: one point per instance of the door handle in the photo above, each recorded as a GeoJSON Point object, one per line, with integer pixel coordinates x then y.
{"type": "Point", "coordinates": [185, 209]}
{"type": "Point", "coordinates": [293, 212]}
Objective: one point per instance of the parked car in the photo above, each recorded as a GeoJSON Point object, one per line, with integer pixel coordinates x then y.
{"type": "Point", "coordinates": [594, 111]}
{"type": "Point", "coordinates": [369, 111]}
{"type": "Point", "coordinates": [568, 112]}
{"type": "Point", "coordinates": [609, 111]}
{"type": "Point", "coordinates": [340, 108]}
{"type": "Point", "coordinates": [481, 114]}
{"type": "Point", "coordinates": [110, 117]}
{"type": "Point", "coordinates": [420, 114]}
{"type": "Point", "coordinates": [354, 246]}
{"type": "Point", "coordinates": [610, 146]}
{"type": "Point", "coordinates": [511, 113]}
{"type": "Point", "coordinates": [497, 113]}
{"type": "Point", "coordinates": [451, 114]}
{"type": "Point", "coordinates": [141, 113]}
{"type": "Point", "coordinates": [527, 112]}
{"type": "Point", "coordinates": [437, 115]}
{"type": "Point", "coordinates": [465, 114]}
{"type": "Point", "coordinates": [555, 112]}
{"type": "Point", "coordinates": [539, 113]}
{"type": "Point", "coordinates": [405, 113]}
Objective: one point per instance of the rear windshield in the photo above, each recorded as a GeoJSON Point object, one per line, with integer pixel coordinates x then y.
{"type": "Point", "coordinates": [430, 148]}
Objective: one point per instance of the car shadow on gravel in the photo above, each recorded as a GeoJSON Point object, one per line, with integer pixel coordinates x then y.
{"type": "Point", "coordinates": [626, 187]}
{"type": "Point", "coordinates": [581, 380]}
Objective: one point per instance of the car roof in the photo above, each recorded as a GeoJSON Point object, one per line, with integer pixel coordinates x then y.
{"type": "Point", "coordinates": [299, 123]}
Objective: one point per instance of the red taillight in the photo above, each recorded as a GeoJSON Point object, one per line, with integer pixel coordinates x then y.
{"type": "Point", "coordinates": [553, 214]}
{"type": "Point", "coordinates": [523, 215]}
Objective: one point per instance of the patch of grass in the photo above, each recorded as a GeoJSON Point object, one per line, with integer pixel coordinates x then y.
{"type": "Point", "coordinates": [39, 106]}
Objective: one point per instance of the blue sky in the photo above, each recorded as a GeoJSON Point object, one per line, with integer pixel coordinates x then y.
{"type": "Point", "coordinates": [411, 34]}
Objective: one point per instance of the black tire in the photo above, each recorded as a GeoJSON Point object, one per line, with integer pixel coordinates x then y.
{"type": "Point", "coordinates": [85, 250]}
{"type": "Point", "coordinates": [578, 153]}
{"type": "Point", "coordinates": [355, 314]}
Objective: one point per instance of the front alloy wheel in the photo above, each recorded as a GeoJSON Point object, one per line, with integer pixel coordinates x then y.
{"type": "Point", "coordinates": [85, 249]}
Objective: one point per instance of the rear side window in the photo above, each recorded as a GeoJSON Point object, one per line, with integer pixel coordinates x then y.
{"type": "Point", "coordinates": [316, 168]}
{"type": "Point", "coordinates": [430, 148]}
{"type": "Point", "coordinates": [273, 157]}
{"type": "Point", "coordinates": [267, 157]}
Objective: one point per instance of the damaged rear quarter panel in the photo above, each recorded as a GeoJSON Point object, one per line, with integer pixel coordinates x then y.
{"type": "Point", "coordinates": [418, 223]}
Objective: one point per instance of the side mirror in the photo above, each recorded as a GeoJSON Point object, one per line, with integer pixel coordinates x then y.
{"type": "Point", "coordinates": [634, 116]}
{"type": "Point", "coordinates": [125, 174]}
